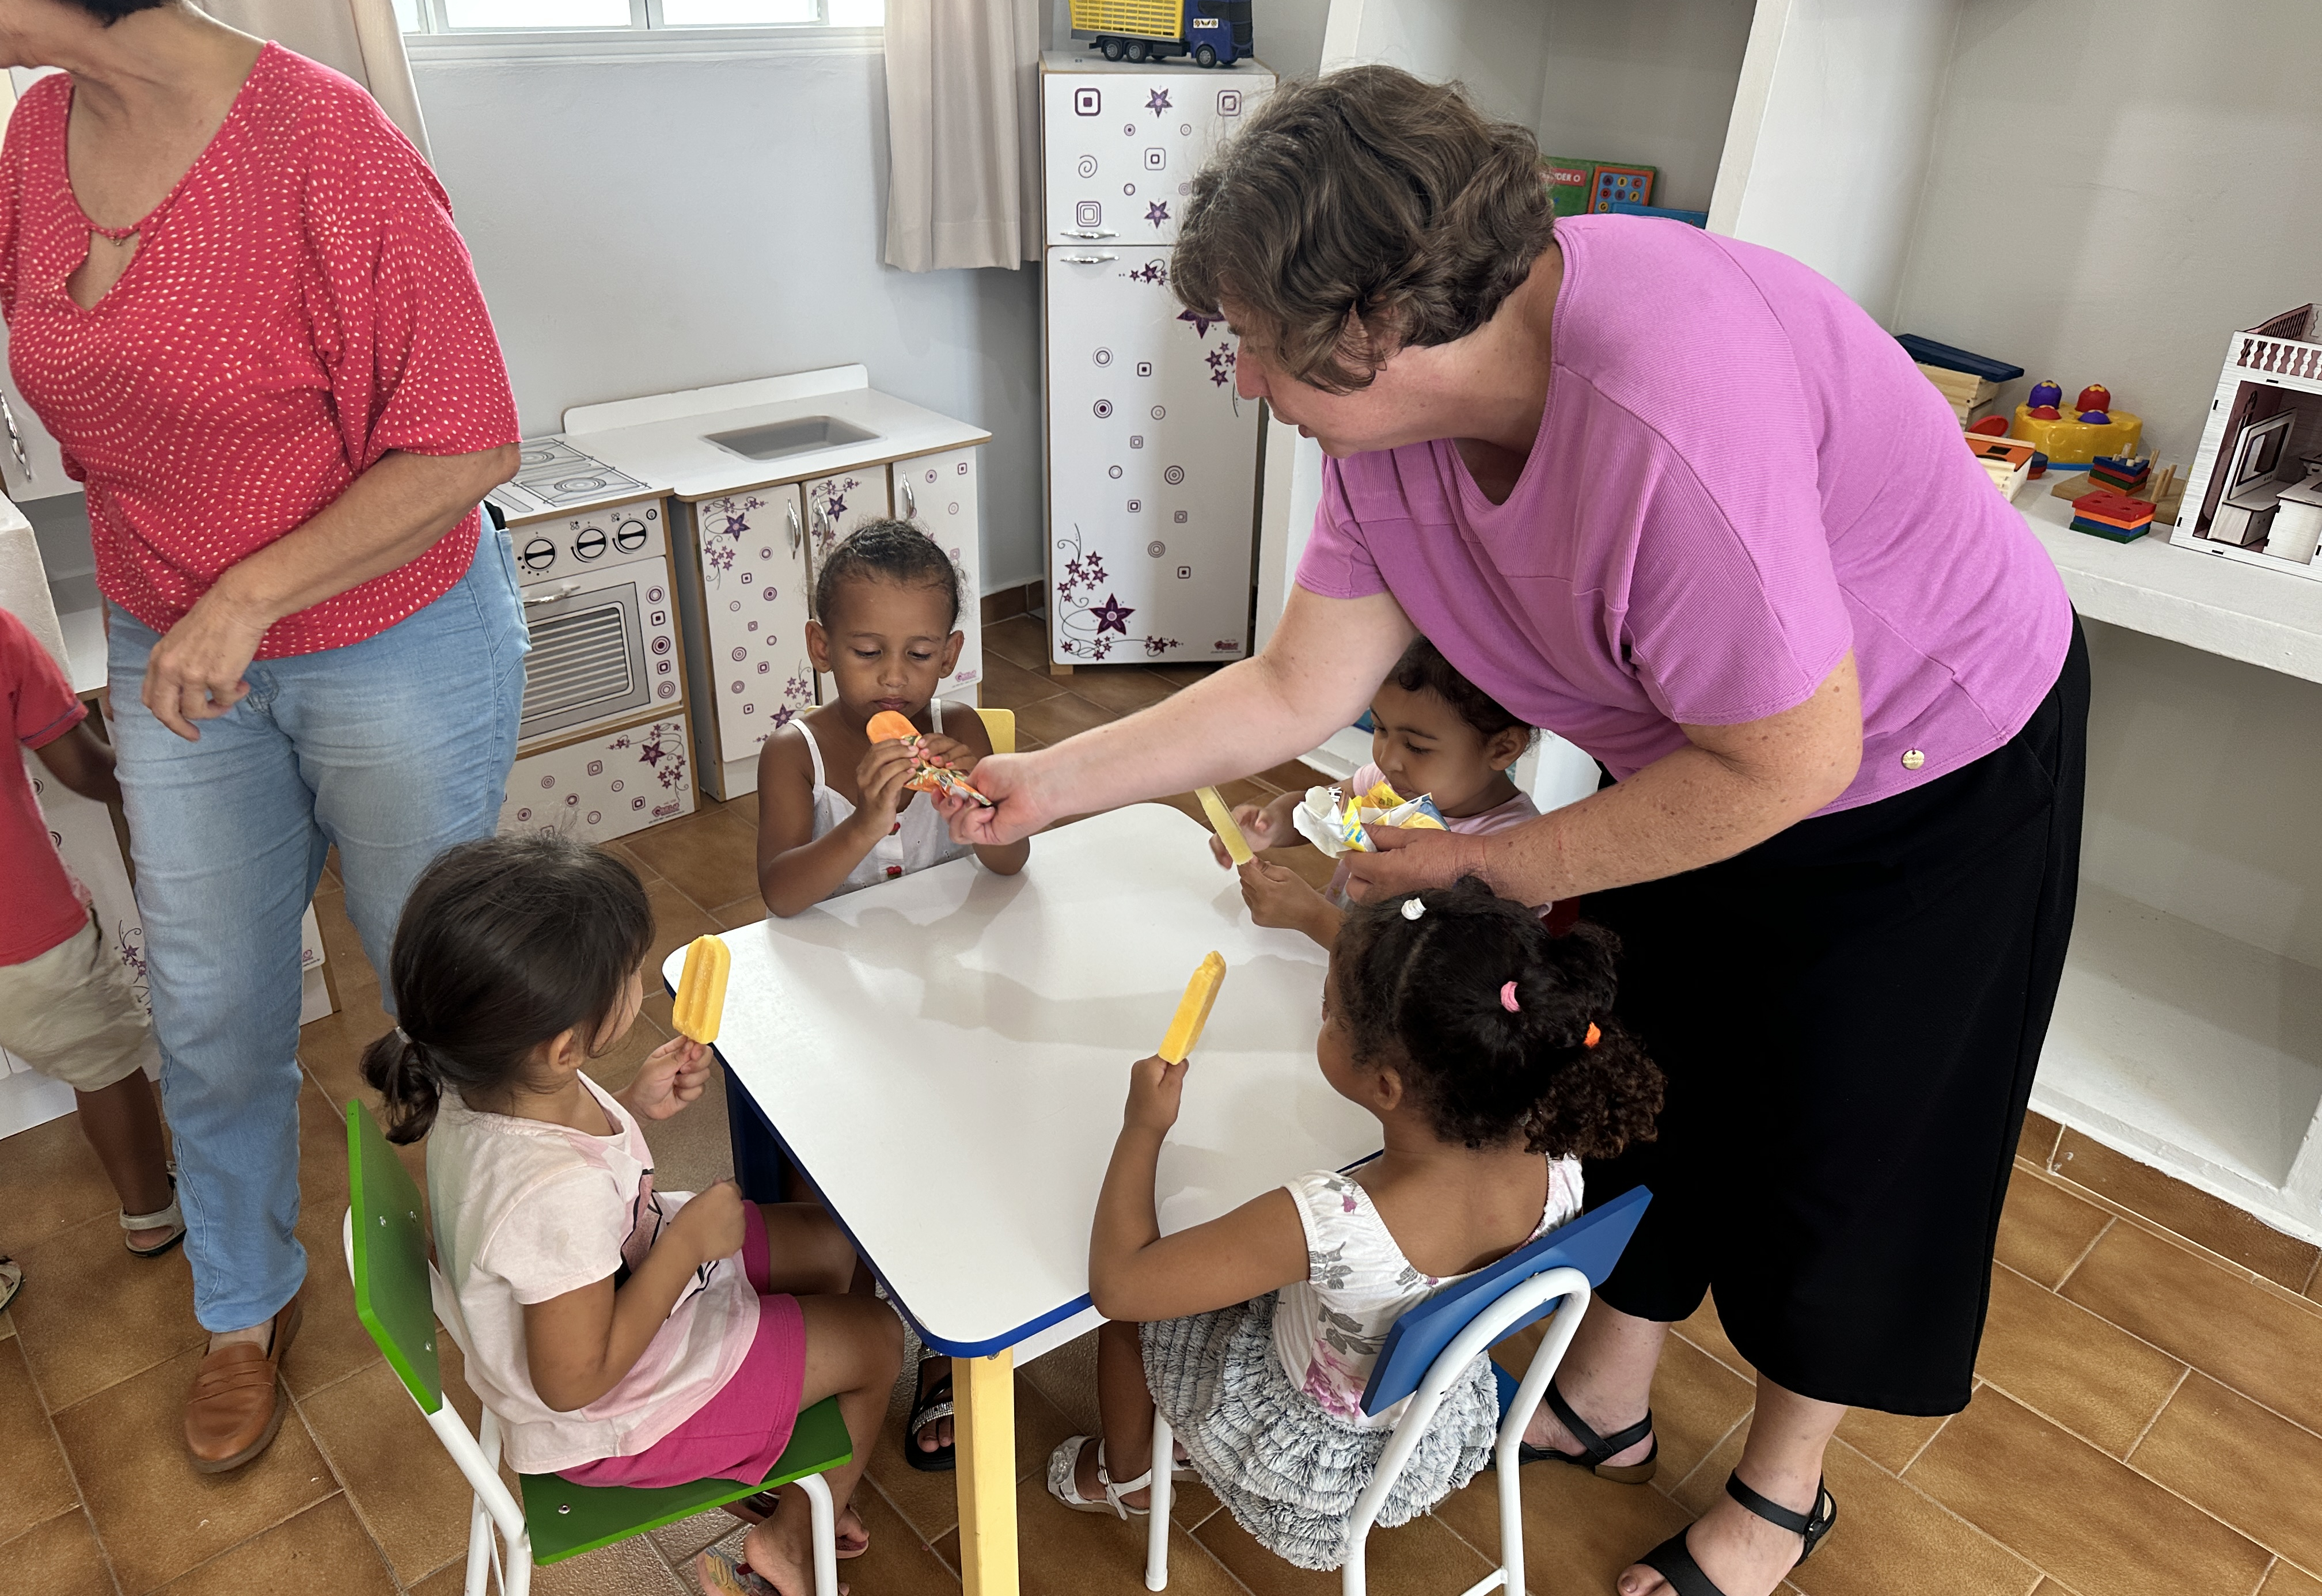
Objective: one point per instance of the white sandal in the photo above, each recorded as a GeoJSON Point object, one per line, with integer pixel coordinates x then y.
{"type": "Point", "coordinates": [1064, 1481]}
{"type": "Point", "coordinates": [171, 1220]}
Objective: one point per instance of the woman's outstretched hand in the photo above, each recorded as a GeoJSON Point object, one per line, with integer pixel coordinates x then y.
{"type": "Point", "coordinates": [1408, 859]}
{"type": "Point", "coordinates": [1018, 808]}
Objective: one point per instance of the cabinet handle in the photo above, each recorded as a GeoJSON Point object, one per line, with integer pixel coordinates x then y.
{"type": "Point", "coordinates": [910, 505]}
{"type": "Point", "coordinates": [1090, 233]}
{"type": "Point", "coordinates": [791, 512]}
{"type": "Point", "coordinates": [1087, 259]}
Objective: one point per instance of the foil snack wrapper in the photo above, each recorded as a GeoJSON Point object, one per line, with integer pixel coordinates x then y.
{"type": "Point", "coordinates": [1334, 822]}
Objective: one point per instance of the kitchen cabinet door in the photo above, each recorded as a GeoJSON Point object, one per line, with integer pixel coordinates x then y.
{"type": "Point", "coordinates": [753, 669]}
{"type": "Point", "coordinates": [1152, 467]}
{"type": "Point", "coordinates": [938, 492]}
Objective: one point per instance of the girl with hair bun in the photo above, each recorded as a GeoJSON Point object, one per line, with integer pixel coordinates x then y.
{"type": "Point", "coordinates": [1488, 1052]}
{"type": "Point", "coordinates": [623, 1334]}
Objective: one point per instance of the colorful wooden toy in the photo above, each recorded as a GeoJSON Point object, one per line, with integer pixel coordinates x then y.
{"type": "Point", "coordinates": [1991, 427]}
{"type": "Point", "coordinates": [2095, 396]}
{"type": "Point", "coordinates": [2112, 516]}
{"type": "Point", "coordinates": [2074, 437]}
{"type": "Point", "coordinates": [2047, 394]}
{"type": "Point", "coordinates": [2122, 475]}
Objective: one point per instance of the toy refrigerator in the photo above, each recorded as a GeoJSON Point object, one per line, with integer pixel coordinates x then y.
{"type": "Point", "coordinates": [1152, 457]}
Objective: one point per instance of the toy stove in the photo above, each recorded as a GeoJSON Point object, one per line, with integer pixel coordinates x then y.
{"type": "Point", "coordinates": [602, 748]}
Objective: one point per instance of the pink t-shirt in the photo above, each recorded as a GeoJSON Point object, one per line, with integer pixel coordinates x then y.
{"type": "Point", "coordinates": [1738, 477]}
{"type": "Point", "coordinates": [1514, 812]}
{"type": "Point", "coordinates": [524, 1211]}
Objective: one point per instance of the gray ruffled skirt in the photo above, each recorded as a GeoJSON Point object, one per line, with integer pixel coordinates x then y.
{"type": "Point", "coordinates": [1288, 1469]}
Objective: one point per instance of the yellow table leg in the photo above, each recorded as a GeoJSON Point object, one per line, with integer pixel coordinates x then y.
{"type": "Point", "coordinates": [983, 1392]}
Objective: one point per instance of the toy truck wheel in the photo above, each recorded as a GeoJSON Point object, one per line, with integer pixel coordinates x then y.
{"type": "Point", "coordinates": [1203, 56]}
{"type": "Point", "coordinates": [1112, 49]}
{"type": "Point", "coordinates": [1138, 51]}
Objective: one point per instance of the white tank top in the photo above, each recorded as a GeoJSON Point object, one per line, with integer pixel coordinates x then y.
{"type": "Point", "coordinates": [918, 836]}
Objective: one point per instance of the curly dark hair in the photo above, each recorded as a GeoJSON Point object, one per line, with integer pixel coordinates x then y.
{"type": "Point", "coordinates": [1423, 669]}
{"type": "Point", "coordinates": [1423, 996]}
{"type": "Point", "coordinates": [890, 551]}
{"type": "Point", "coordinates": [1363, 209]}
{"type": "Point", "coordinates": [505, 942]}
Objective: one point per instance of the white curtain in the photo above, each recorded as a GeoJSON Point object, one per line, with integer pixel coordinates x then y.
{"type": "Point", "coordinates": [358, 38]}
{"type": "Point", "coordinates": [962, 132]}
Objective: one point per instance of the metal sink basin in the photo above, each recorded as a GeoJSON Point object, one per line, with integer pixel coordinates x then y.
{"type": "Point", "coordinates": [797, 436]}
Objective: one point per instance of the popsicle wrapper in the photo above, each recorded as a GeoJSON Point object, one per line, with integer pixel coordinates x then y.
{"type": "Point", "coordinates": [1334, 822]}
{"type": "Point", "coordinates": [943, 778]}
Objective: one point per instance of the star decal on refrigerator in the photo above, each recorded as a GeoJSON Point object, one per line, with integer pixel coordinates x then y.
{"type": "Point", "coordinates": [1158, 101]}
{"type": "Point", "coordinates": [1158, 212]}
{"type": "Point", "coordinates": [1201, 323]}
{"type": "Point", "coordinates": [1112, 615]}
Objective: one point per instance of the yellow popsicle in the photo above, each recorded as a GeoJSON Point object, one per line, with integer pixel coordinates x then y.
{"type": "Point", "coordinates": [1221, 821]}
{"type": "Point", "coordinates": [1193, 1009]}
{"type": "Point", "coordinates": [701, 989]}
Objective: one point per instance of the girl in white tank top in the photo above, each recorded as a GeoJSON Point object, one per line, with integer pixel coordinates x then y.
{"type": "Point", "coordinates": [885, 632]}
{"type": "Point", "coordinates": [918, 838]}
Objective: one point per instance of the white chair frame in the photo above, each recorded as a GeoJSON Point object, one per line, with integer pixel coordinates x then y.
{"type": "Point", "coordinates": [1518, 1302]}
{"type": "Point", "coordinates": [496, 1506]}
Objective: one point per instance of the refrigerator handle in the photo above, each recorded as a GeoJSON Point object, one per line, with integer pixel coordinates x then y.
{"type": "Point", "coordinates": [1090, 233]}
{"type": "Point", "coordinates": [911, 504]}
{"type": "Point", "coordinates": [1087, 259]}
{"type": "Point", "coordinates": [791, 512]}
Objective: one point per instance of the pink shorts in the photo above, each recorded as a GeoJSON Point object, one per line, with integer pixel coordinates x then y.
{"type": "Point", "coordinates": [739, 1433]}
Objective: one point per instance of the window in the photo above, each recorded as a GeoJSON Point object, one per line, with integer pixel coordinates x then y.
{"type": "Point", "coordinates": [602, 17]}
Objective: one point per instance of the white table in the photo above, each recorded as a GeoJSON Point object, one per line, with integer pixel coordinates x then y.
{"type": "Point", "coordinates": [945, 1056]}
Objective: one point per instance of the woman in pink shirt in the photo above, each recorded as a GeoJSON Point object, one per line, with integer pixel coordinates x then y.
{"type": "Point", "coordinates": [235, 297]}
{"type": "Point", "coordinates": [1677, 499]}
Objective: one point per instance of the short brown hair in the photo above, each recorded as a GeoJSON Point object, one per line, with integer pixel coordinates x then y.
{"type": "Point", "coordinates": [1369, 195]}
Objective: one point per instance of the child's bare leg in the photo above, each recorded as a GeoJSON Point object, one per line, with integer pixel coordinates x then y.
{"type": "Point", "coordinates": [1124, 1403]}
{"type": "Point", "coordinates": [125, 1128]}
{"type": "Point", "coordinates": [808, 1255]}
{"type": "Point", "coordinates": [853, 1348]}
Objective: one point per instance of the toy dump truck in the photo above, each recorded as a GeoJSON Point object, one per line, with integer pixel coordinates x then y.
{"type": "Point", "coordinates": [1214, 32]}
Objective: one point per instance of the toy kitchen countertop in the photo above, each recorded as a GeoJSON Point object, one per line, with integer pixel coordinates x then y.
{"type": "Point", "coordinates": [729, 439]}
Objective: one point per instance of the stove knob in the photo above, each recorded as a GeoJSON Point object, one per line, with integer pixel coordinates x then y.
{"type": "Point", "coordinates": [590, 545]}
{"type": "Point", "coordinates": [629, 535]}
{"type": "Point", "coordinates": [539, 555]}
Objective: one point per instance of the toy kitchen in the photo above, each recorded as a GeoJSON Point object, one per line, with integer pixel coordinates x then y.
{"type": "Point", "coordinates": [666, 547]}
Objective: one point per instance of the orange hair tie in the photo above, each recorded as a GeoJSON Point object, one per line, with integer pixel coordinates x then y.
{"type": "Point", "coordinates": [1594, 1036]}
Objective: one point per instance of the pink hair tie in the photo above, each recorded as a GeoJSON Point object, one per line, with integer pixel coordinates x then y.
{"type": "Point", "coordinates": [1508, 997]}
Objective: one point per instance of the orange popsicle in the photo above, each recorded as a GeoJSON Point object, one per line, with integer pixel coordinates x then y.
{"type": "Point", "coordinates": [1193, 1009]}
{"type": "Point", "coordinates": [889, 726]}
{"type": "Point", "coordinates": [701, 989]}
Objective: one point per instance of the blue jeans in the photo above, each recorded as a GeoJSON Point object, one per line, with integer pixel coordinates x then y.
{"type": "Point", "coordinates": [394, 748]}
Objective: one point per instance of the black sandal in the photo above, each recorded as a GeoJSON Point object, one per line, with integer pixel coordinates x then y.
{"type": "Point", "coordinates": [1595, 1449]}
{"type": "Point", "coordinates": [1673, 1559]}
{"type": "Point", "coordinates": [928, 1406]}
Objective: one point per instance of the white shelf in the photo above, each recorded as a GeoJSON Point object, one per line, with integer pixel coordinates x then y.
{"type": "Point", "coordinates": [2192, 1052]}
{"type": "Point", "coordinates": [2188, 596]}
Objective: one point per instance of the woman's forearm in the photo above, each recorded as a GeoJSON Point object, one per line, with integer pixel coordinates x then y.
{"type": "Point", "coordinates": [1730, 789]}
{"type": "Point", "coordinates": [387, 517]}
{"type": "Point", "coordinates": [1316, 674]}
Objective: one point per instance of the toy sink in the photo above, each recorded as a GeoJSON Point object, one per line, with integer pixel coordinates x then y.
{"type": "Point", "coordinates": [796, 436]}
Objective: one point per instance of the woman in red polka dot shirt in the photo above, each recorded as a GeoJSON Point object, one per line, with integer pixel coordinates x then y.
{"type": "Point", "coordinates": [235, 294]}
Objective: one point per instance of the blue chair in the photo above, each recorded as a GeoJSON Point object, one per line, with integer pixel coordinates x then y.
{"type": "Point", "coordinates": [1428, 1347]}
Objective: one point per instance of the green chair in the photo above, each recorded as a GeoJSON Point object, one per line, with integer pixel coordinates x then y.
{"type": "Point", "coordinates": [400, 1298]}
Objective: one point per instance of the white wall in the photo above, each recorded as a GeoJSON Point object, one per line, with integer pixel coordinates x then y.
{"type": "Point", "coordinates": [1830, 133]}
{"type": "Point", "coordinates": [1648, 81]}
{"type": "Point", "coordinates": [643, 224]}
{"type": "Point", "coordinates": [2117, 186]}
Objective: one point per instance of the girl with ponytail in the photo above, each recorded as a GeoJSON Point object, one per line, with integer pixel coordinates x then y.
{"type": "Point", "coordinates": [1488, 1050]}
{"type": "Point", "coordinates": [623, 1334]}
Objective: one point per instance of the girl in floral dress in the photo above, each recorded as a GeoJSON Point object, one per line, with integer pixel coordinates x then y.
{"type": "Point", "coordinates": [1487, 1050]}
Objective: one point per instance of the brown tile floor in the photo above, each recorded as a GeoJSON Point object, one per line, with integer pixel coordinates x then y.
{"type": "Point", "coordinates": [2149, 1418]}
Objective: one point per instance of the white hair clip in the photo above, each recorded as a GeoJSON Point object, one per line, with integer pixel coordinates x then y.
{"type": "Point", "coordinates": [1413, 908]}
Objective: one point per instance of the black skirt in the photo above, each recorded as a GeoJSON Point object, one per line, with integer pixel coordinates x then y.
{"type": "Point", "coordinates": [1850, 1014]}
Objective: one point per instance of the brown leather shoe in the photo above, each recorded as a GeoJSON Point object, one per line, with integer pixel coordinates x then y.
{"type": "Point", "coordinates": [237, 1402]}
